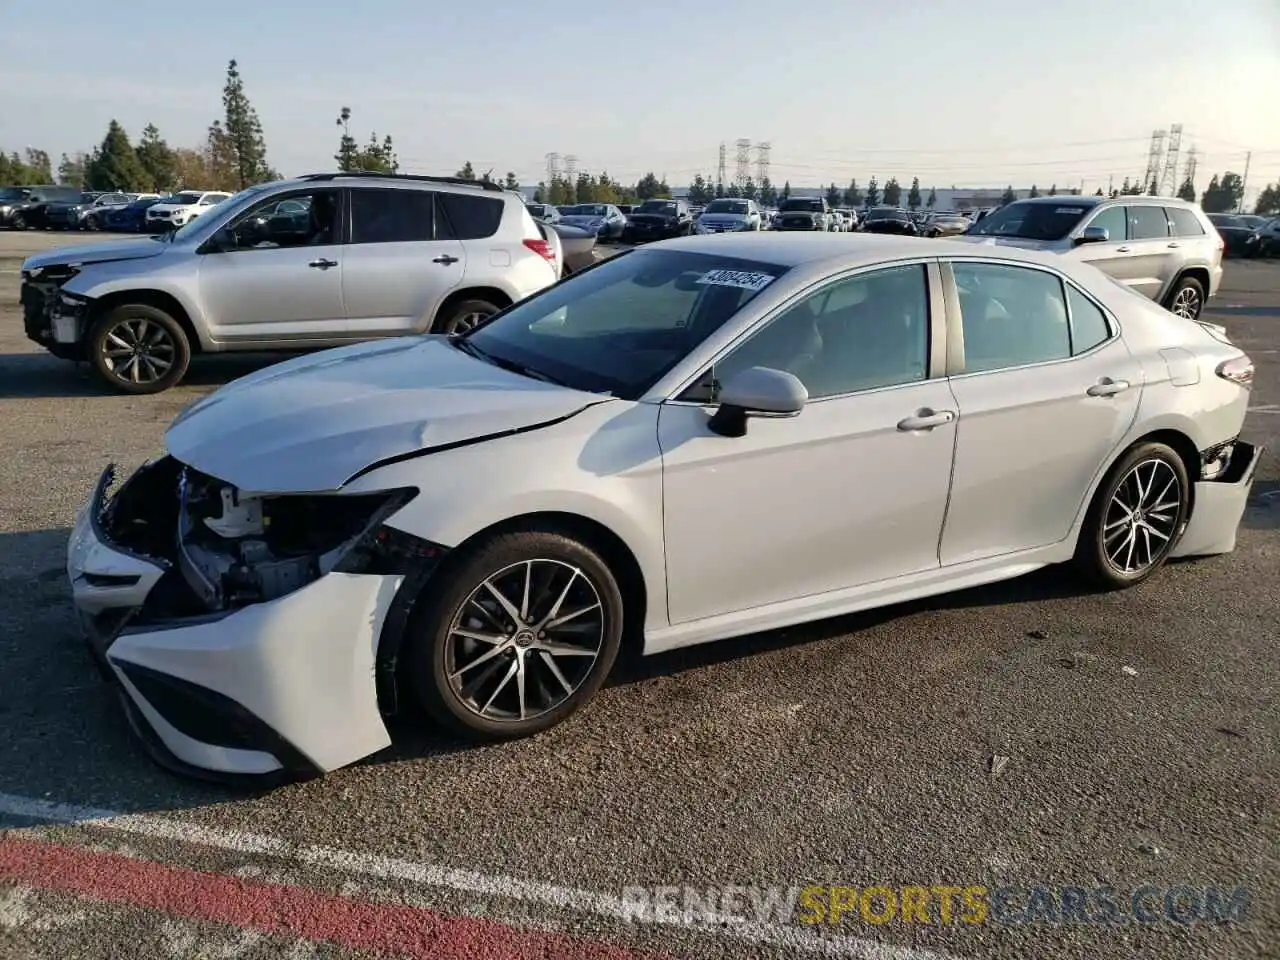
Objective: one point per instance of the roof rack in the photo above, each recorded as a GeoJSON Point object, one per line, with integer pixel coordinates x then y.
{"type": "Point", "coordinates": [460, 181]}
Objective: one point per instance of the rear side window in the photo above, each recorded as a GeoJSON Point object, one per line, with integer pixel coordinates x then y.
{"type": "Point", "coordinates": [1185, 223]}
{"type": "Point", "coordinates": [1011, 316]}
{"type": "Point", "coordinates": [1147, 223]}
{"type": "Point", "coordinates": [1088, 323]}
{"type": "Point", "coordinates": [472, 218]}
{"type": "Point", "coordinates": [392, 216]}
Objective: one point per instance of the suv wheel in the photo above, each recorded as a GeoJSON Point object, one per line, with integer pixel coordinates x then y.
{"type": "Point", "coordinates": [463, 316]}
{"type": "Point", "coordinates": [139, 349]}
{"type": "Point", "coordinates": [19, 222]}
{"type": "Point", "coordinates": [1186, 299]}
{"type": "Point", "coordinates": [91, 222]}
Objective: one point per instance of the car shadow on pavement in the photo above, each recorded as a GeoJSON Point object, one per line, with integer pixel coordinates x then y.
{"type": "Point", "coordinates": [31, 375]}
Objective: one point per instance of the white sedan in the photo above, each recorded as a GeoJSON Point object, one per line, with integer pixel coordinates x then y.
{"type": "Point", "coordinates": [695, 440]}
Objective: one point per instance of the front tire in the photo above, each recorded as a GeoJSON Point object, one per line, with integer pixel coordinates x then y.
{"type": "Point", "coordinates": [1186, 299]}
{"type": "Point", "coordinates": [139, 349]}
{"type": "Point", "coordinates": [1136, 517]}
{"type": "Point", "coordinates": [19, 222]}
{"type": "Point", "coordinates": [91, 224]}
{"type": "Point", "coordinates": [464, 315]}
{"type": "Point", "coordinates": [521, 633]}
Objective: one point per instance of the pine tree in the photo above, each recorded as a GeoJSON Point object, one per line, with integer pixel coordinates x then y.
{"type": "Point", "coordinates": [1187, 191]}
{"type": "Point", "coordinates": [913, 195]}
{"type": "Point", "coordinates": [156, 159]}
{"type": "Point", "coordinates": [246, 147]}
{"type": "Point", "coordinates": [347, 146]}
{"type": "Point", "coordinates": [933, 198]}
{"type": "Point", "coordinates": [467, 172]}
{"type": "Point", "coordinates": [114, 165]}
{"type": "Point", "coordinates": [873, 192]}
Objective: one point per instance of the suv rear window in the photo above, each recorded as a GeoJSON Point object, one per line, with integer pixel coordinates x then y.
{"type": "Point", "coordinates": [391, 216]}
{"type": "Point", "coordinates": [472, 218]}
{"type": "Point", "coordinates": [1185, 223]}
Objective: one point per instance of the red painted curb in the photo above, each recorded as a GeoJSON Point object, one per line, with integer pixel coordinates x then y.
{"type": "Point", "coordinates": [292, 911]}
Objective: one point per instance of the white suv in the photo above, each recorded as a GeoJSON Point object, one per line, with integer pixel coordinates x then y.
{"type": "Point", "coordinates": [181, 208]}
{"type": "Point", "coordinates": [319, 261]}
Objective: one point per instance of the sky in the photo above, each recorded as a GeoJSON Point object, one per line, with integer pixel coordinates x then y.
{"type": "Point", "coordinates": [965, 92]}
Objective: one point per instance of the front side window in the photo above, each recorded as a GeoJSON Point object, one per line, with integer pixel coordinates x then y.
{"type": "Point", "coordinates": [301, 220]}
{"type": "Point", "coordinates": [864, 332]}
{"type": "Point", "coordinates": [1148, 223]}
{"type": "Point", "coordinates": [622, 325]}
{"type": "Point", "coordinates": [1114, 221]}
{"type": "Point", "coordinates": [1011, 316]}
{"type": "Point", "coordinates": [380, 215]}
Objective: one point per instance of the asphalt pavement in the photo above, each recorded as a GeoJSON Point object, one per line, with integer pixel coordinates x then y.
{"type": "Point", "coordinates": [1029, 734]}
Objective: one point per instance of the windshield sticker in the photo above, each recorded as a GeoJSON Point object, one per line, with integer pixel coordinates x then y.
{"type": "Point", "coordinates": [1069, 210]}
{"type": "Point", "coordinates": [737, 278]}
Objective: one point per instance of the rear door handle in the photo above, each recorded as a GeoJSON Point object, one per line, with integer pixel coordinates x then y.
{"type": "Point", "coordinates": [1122, 249]}
{"type": "Point", "coordinates": [1174, 246]}
{"type": "Point", "coordinates": [445, 259]}
{"type": "Point", "coordinates": [926, 419]}
{"type": "Point", "coordinates": [323, 264]}
{"type": "Point", "coordinates": [1106, 387]}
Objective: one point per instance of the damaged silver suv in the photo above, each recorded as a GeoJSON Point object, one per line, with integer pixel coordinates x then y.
{"type": "Point", "coordinates": [319, 261]}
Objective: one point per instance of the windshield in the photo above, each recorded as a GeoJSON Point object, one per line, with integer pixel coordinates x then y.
{"type": "Point", "coordinates": [1221, 220]}
{"type": "Point", "coordinates": [586, 210]}
{"type": "Point", "coordinates": [805, 204]}
{"type": "Point", "coordinates": [886, 213]}
{"type": "Point", "coordinates": [12, 193]}
{"type": "Point", "coordinates": [1031, 221]}
{"type": "Point", "coordinates": [621, 326]}
{"type": "Point", "coordinates": [537, 209]}
{"type": "Point", "coordinates": [726, 206]}
{"type": "Point", "coordinates": [657, 206]}
{"type": "Point", "coordinates": [185, 198]}
{"type": "Point", "coordinates": [203, 225]}
{"type": "Point", "coordinates": [143, 204]}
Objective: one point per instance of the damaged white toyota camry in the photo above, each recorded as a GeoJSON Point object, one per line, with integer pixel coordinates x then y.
{"type": "Point", "coordinates": [691, 441]}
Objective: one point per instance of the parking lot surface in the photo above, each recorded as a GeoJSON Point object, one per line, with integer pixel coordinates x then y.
{"type": "Point", "coordinates": [1028, 734]}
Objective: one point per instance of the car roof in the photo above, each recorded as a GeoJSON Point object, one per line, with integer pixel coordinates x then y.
{"type": "Point", "coordinates": [852, 250]}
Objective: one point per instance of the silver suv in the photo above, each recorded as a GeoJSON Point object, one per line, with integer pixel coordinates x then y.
{"type": "Point", "coordinates": [318, 261]}
{"type": "Point", "coordinates": [1164, 248]}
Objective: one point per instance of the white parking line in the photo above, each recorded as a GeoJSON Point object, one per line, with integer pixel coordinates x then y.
{"type": "Point", "coordinates": [461, 881]}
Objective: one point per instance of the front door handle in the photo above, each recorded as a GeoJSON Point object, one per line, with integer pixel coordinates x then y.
{"type": "Point", "coordinates": [1174, 246]}
{"type": "Point", "coordinates": [926, 419]}
{"type": "Point", "coordinates": [445, 259]}
{"type": "Point", "coordinates": [1106, 387]}
{"type": "Point", "coordinates": [323, 264]}
{"type": "Point", "coordinates": [1122, 249]}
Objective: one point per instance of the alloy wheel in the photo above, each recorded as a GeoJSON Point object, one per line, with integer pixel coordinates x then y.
{"type": "Point", "coordinates": [1187, 303]}
{"type": "Point", "coordinates": [1142, 517]}
{"type": "Point", "coordinates": [467, 321]}
{"type": "Point", "coordinates": [138, 351]}
{"type": "Point", "coordinates": [525, 640]}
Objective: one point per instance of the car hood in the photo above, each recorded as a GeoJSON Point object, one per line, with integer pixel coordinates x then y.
{"type": "Point", "coordinates": [96, 253]}
{"type": "Point", "coordinates": [312, 423]}
{"type": "Point", "coordinates": [653, 216]}
{"type": "Point", "coordinates": [799, 213]}
{"type": "Point", "coordinates": [723, 218]}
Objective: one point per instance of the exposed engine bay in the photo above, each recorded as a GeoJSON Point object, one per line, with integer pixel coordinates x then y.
{"type": "Point", "coordinates": [223, 550]}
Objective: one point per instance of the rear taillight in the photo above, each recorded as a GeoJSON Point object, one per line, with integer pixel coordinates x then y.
{"type": "Point", "coordinates": [542, 248]}
{"type": "Point", "coordinates": [1237, 370]}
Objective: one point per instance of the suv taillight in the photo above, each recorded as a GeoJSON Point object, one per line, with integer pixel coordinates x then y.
{"type": "Point", "coordinates": [1237, 370]}
{"type": "Point", "coordinates": [542, 248]}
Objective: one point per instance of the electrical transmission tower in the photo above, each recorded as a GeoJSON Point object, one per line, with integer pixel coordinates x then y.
{"type": "Point", "coordinates": [1169, 179]}
{"type": "Point", "coordinates": [743, 172]}
{"type": "Point", "coordinates": [720, 173]}
{"type": "Point", "coordinates": [762, 162]}
{"type": "Point", "coordinates": [553, 168]}
{"type": "Point", "coordinates": [571, 169]}
{"type": "Point", "coordinates": [1154, 156]}
{"type": "Point", "coordinates": [1190, 173]}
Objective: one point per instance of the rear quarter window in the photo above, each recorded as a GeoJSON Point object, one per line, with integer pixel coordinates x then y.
{"type": "Point", "coordinates": [472, 218]}
{"type": "Point", "coordinates": [1185, 223]}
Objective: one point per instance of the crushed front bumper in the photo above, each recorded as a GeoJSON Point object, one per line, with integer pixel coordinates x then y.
{"type": "Point", "coordinates": [1218, 506]}
{"type": "Point", "coordinates": [270, 692]}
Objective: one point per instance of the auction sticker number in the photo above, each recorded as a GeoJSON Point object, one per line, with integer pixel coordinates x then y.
{"type": "Point", "coordinates": [737, 278]}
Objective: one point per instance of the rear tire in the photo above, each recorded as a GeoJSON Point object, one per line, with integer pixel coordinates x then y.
{"type": "Point", "coordinates": [91, 223]}
{"type": "Point", "coordinates": [463, 316]}
{"type": "Point", "coordinates": [19, 222]}
{"type": "Point", "coordinates": [1186, 299]}
{"type": "Point", "coordinates": [139, 349]}
{"type": "Point", "coordinates": [1136, 517]}
{"type": "Point", "coordinates": [483, 670]}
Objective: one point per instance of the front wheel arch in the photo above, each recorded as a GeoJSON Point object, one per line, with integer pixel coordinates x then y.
{"type": "Point", "coordinates": [166, 302]}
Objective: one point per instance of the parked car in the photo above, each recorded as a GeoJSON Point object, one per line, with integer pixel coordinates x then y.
{"type": "Point", "coordinates": [729, 215]}
{"type": "Point", "coordinates": [946, 225]}
{"type": "Point", "coordinates": [181, 208]}
{"type": "Point", "coordinates": [12, 202]}
{"type": "Point", "coordinates": [31, 211]}
{"type": "Point", "coordinates": [628, 208]}
{"type": "Point", "coordinates": [358, 511]}
{"type": "Point", "coordinates": [604, 220]}
{"type": "Point", "coordinates": [87, 214]}
{"type": "Point", "coordinates": [889, 220]}
{"type": "Point", "coordinates": [374, 256]}
{"type": "Point", "coordinates": [130, 218]}
{"type": "Point", "coordinates": [1163, 248]}
{"type": "Point", "coordinates": [1271, 237]}
{"type": "Point", "coordinates": [803, 213]}
{"type": "Point", "coordinates": [658, 219]}
{"type": "Point", "coordinates": [1241, 238]}
{"type": "Point", "coordinates": [543, 212]}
